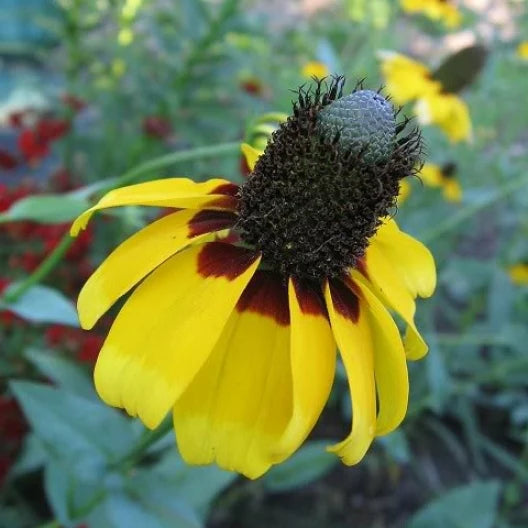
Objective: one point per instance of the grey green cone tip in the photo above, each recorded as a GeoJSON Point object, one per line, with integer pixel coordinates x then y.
{"type": "Point", "coordinates": [365, 123]}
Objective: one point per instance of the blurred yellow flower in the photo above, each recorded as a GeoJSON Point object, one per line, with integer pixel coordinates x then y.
{"type": "Point", "coordinates": [125, 36]}
{"type": "Point", "coordinates": [519, 274]}
{"type": "Point", "coordinates": [405, 78]}
{"type": "Point", "coordinates": [408, 80]}
{"type": "Point", "coordinates": [438, 10]}
{"type": "Point", "coordinates": [405, 191]}
{"type": "Point", "coordinates": [522, 50]}
{"type": "Point", "coordinates": [443, 177]}
{"type": "Point", "coordinates": [448, 112]}
{"type": "Point", "coordinates": [118, 68]}
{"type": "Point", "coordinates": [315, 69]}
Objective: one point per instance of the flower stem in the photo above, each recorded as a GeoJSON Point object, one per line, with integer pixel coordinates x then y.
{"type": "Point", "coordinates": [51, 261]}
{"type": "Point", "coordinates": [42, 271]}
{"type": "Point", "coordinates": [149, 438]}
{"type": "Point", "coordinates": [453, 221]}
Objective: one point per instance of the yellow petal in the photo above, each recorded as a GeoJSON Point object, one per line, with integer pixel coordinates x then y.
{"type": "Point", "coordinates": [350, 324]}
{"type": "Point", "coordinates": [431, 175]}
{"type": "Point", "coordinates": [409, 257]}
{"type": "Point", "coordinates": [315, 69]}
{"type": "Point", "coordinates": [140, 254]}
{"type": "Point", "coordinates": [405, 191]}
{"type": "Point", "coordinates": [168, 327]}
{"type": "Point", "coordinates": [390, 367]}
{"type": "Point", "coordinates": [452, 190]}
{"type": "Point", "coordinates": [406, 79]}
{"type": "Point", "coordinates": [519, 274]}
{"type": "Point", "coordinates": [236, 409]}
{"type": "Point", "coordinates": [171, 192]}
{"type": "Point", "coordinates": [448, 112]}
{"type": "Point", "coordinates": [389, 286]}
{"type": "Point", "coordinates": [313, 357]}
{"type": "Point", "coordinates": [251, 154]}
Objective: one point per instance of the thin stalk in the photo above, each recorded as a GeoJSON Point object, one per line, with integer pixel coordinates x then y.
{"type": "Point", "coordinates": [51, 261]}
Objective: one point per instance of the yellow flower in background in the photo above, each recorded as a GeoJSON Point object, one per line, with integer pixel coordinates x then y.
{"type": "Point", "coordinates": [519, 274]}
{"type": "Point", "coordinates": [237, 336]}
{"type": "Point", "coordinates": [443, 177]}
{"type": "Point", "coordinates": [522, 50]}
{"type": "Point", "coordinates": [408, 80]}
{"type": "Point", "coordinates": [448, 112]}
{"type": "Point", "coordinates": [439, 10]}
{"type": "Point", "coordinates": [315, 69]}
{"type": "Point", "coordinates": [405, 78]}
{"type": "Point", "coordinates": [405, 191]}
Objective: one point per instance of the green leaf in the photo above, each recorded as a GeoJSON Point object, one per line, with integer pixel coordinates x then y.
{"type": "Point", "coordinates": [46, 209]}
{"type": "Point", "coordinates": [42, 304]}
{"type": "Point", "coordinates": [396, 446]}
{"type": "Point", "coordinates": [472, 505]}
{"type": "Point", "coordinates": [66, 374]}
{"type": "Point", "coordinates": [121, 510]}
{"type": "Point", "coordinates": [57, 484]}
{"type": "Point", "coordinates": [197, 486]}
{"type": "Point", "coordinates": [310, 463]}
{"type": "Point", "coordinates": [86, 432]}
{"type": "Point", "coordinates": [32, 457]}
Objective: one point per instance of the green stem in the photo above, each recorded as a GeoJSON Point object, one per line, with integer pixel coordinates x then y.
{"type": "Point", "coordinates": [148, 439]}
{"type": "Point", "coordinates": [50, 524]}
{"type": "Point", "coordinates": [452, 222]}
{"type": "Point", "coordinates": [46, 266]}
{"type": "Point", "coordinates": [49, 263]}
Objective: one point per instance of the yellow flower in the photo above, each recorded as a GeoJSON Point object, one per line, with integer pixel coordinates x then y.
{"type": "Point", "coordinates": [315, 69]}
{"type": "Point", "coordinates": [439, 10]}
{"type": "Point", "coordinates": [238, 336]}
{"type": "Point", "coordinates": [448, 112]}
{"type": "Point", "coordinates": [519, 274]}
{"type": "Point", "coordinates": [435, 176]}
{"type": "Point", "coordinates": [522, 50]}
{"type": "Point", "coordinates": [405, 191]}
{"type": "Point", "coordinates": [406, 79]}
{"type": "Point", "coordinates": [409, 80]}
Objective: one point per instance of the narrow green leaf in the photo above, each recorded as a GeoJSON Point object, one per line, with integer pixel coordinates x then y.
{"type": "Point", "coordinates": [472, 505]}
{"type": "Point", "coordinates": [45, 209]}
{"type": "Point", "coordinates": [42, 304]}
{"type": "Point", "coordinates": [310, 463]}
{"type": "Point", "coordinates": [64, 373]}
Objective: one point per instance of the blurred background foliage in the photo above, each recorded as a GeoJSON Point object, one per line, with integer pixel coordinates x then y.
{"type": "Point", "coordinates": [97, 93]}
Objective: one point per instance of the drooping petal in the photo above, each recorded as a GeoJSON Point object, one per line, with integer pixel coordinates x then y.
{"type": "Point", "coordinates": [313, 357]}
{"type": "Point", "coordinates": [238, 406]}
{"type": "Point", "coordinates": [447, 111]}
{"type": "Point", "coordinates": [350, 324]}
{"type": "Point", "coordinates": [171, 192]}
{"type": "Point", "coordinates": [251, 154]}
{"type": "Point", "coordinates": [409, 257]}
{"type": "Point", "coordinates": [140, 254]}
{"type": "Point", "coordinates": [389, 286]}
{"type": "Point", "coordinates": [390, 367]}
{"type": "Point", "coordinates": [168, 327]}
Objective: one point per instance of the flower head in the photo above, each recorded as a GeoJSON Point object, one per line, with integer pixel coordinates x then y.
{"type": "Point", "coordinates": [237, 335]}
{"type": "Point", "coordinates": [315, 69]}
{"type": "Point", "coordinates": [522, 50]}
{"type": "Point", "coordinates": [519, 274]}
{"type": "Point", "coordinates": [438, 10]}
{"type": "Point", "coordinates": [443, 177]}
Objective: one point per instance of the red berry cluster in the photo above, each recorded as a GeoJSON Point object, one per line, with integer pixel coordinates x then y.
{"type": "Point", "coordinates": [36, 133]}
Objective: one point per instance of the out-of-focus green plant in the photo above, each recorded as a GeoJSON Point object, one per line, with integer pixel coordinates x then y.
{"type": "Point", "coordinates": [166, 86]}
